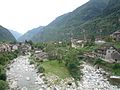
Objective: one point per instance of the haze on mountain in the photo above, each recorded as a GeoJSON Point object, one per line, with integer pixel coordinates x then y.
{"type": "Point", "coordinates": [28, 35]}
{"type": "Point", "coordinates": [93, 18]}
{"type": "Point", "coordinates": [15, 34]}
{"type": "Point", "coordinates": [6, 35]}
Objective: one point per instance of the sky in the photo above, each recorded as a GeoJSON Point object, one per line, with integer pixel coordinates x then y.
{"type": "Point", "coordinates": [24, 15]}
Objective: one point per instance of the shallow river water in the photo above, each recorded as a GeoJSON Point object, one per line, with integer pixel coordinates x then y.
{"type": "Point", "coordinates": [22, 75]}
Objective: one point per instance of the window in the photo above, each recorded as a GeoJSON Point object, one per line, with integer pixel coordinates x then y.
{"type": "Point", "coordinates": [108, 51]}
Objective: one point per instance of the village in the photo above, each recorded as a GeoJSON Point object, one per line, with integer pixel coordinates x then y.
{"type": "Point", "coordinates": [105, 50]}
{"type": "Point", "coordinates": [30, 56]}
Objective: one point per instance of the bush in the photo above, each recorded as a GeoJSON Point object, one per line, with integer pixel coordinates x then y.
{"type": "Point", "coordinates": [72, 62]}
{"type": "Point", "coordinates": [74, 71]}
{"type": "Point", "coordinates": [116, 66]}
{"type": "Point", "coordinates": [3, 85]}
{"type": "Point", "coordinates": [40, 69]}
{"type": "Point", "coordinates": [32, 62]}
{"type": "Point", "coordinates": [2, 73]}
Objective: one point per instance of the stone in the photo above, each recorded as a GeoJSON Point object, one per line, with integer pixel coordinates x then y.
{"type": "Point", "coordinates": [24, 88]}
{"type": "Point", "coordinates": [28, 78]}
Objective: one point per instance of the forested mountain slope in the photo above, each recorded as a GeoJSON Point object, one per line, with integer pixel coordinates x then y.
{"type": "Point", "coordinates": [6, 35]}
{"type": "Point", "coordinates": [62, 26]}
{"type": "Point", "coordinates": [28, 35]}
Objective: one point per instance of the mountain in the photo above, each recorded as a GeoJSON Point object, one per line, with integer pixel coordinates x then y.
{"type": "Point", "coordinates": [63, 26]}
{"type": "Point", "coordinates": [15, 34]}
{"type": "Point", "coordinates": [107, 23]}
{"type": "Point", "coordinates": [28, 35]}
{"type": "Point", "coordinates": [6, 35]}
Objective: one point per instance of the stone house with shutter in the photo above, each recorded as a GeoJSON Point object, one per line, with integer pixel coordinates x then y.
{"type": "Point", "coordinates": [108, 53]}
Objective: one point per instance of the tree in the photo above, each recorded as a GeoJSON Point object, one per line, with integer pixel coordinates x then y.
{"type": "Point", "coordinates": [60, 54]}
{"type": "Point", "coordinates": [72, 63]}
{"type": "Point", "coordinates": [2, 73]}
{"type": "Point", "coordinates": [109, 39]}
{"type": "Point", "coordinates": [51, 50]}
{"type": "Point", "coordinates": [92, 38]}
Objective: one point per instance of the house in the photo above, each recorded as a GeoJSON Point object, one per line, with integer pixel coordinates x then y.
{"type": "Point", "coordinates": [116, 35]}
{"type": "Point", "coordinates": [2, 48]}
{"type": "Point", "coordinates": [108, 53]}
{"type": "Point", "coordinates": [15, 47]}
{"type": "Point", "coordinates": [99, 42]}
{"type": "Point", "coordinates": [5, 48]}
{"type": "Point", "coordinates": [24, 48]}
{"type": "Point", "coordinates": [75, 43]}
{"type": "Point", "coordinates": [40, 55]}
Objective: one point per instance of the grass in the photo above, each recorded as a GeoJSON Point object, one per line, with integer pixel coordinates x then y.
{"type": "Point", "coordinates": [56, 68]}
{"type": "Point", "coordinates": [117, 45]}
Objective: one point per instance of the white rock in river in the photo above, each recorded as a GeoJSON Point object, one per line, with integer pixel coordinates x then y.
{"type": "Point", "coordinates": [24, 88]}
{"type": "Point", "coordinates": [14, 85]}
{"type": "Point", "coordinates": [28, 78]}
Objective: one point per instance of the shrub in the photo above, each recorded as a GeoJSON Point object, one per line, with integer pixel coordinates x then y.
{"type": "Point", "coordinates": [116, 66]}
{"type": "Point", "coordinates": [40, 69]}
{"type": "Point", "coordinates": [32, 62]}
{"type": "Point", "coordinates": [3, 85]}
{"type": "Point", "coordinates": [2, 73]}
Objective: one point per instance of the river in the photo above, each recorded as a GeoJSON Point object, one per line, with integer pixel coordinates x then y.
{"type": "Point", "coordinates": [93, 79]}
{"type": "Point", "coordinates": [22, 75]}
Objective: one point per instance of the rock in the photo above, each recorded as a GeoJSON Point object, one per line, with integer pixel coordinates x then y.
{"type": "Point", "coordinates": [69, 83]}
{"type": "Point", "coordinates": [24, 88]}
{"type": "Point", "coordinates": [28, 78]}
{"type": "Point", "coordinates": [55, 88]}
{"type": "Point", "coordinates": [14, 85]}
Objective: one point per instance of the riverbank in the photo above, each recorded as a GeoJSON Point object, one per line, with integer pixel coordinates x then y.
{"type": "Point", "coordinates": [5, 59]}
{"type": "Point", "coordinates": [93, 79]}
{"type": "Point", "coordinates": [23, 76]}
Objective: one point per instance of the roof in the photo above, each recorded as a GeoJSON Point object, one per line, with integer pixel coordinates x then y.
{"type": "Point", "coordinates": [117, 32]}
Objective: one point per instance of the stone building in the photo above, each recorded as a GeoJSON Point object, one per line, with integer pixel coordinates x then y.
{"type": "Point", "coordinates": [108, 53]}
{"type": "Point", "coordinates": [24, 48]}
{"type": "Point", "coordinates": [15, 47]}
{"type": "Point", "coordinates": [75, 43]}
{"type": "Point", "coordinates": [116, 35]}
{"type": "Point", "coordinates": [5, 48]}
{"type": "Point", "coordinates": [40, 55]}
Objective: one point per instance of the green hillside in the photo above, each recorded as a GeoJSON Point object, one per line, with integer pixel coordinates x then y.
{"type": "Point", "coordinates": [5, 35]}
{"type": "Point", "coordinates": [62, 27]}
{"type": "Point", "coordinates": [107, 23]}
{"type": "Point", "coordinates": [28, 35]}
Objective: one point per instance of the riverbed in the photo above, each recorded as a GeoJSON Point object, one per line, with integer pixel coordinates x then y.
{"type": "Point", "coordinates": [93, 79]}
{"type": "Point", "coordinates": [23, 76]}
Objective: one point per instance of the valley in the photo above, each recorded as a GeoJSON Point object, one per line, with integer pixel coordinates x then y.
{"type": "Point", "coordinates": [77, 50]}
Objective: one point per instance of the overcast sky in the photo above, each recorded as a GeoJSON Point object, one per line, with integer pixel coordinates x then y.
{"type": "Point", "coordinates": [23, 15]}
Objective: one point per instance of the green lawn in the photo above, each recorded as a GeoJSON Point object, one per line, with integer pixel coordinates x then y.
{"type": "Point", "coordinates": [54, 67]}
